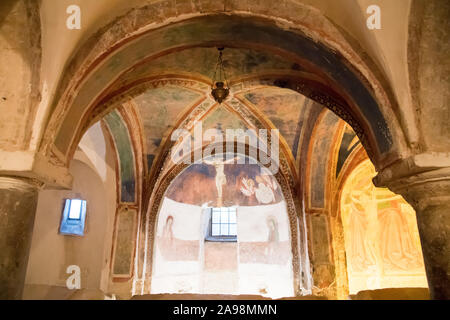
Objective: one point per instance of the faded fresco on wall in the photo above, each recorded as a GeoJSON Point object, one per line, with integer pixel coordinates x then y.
{"type": "Point", "coordinates": [176, 253]}
{"type": "Point", "coordinates": [323, 272]}
{"type": "Point", "coordinates": [285, 108]}
{"type": "Point", "coordinates": [237, 62]}
{"type": "Point", "coordinates": [269, 247]}
{"type": "Point", "coordinates": [123, 144]}
{"type": "Point", "coordinates": [123, 251]}
{"type": "Point", "coordinates": [159, 108]}
{"type": "Point", "coordinates": [265, 257]}
{"type": "Point", "coordinates": [381, 236]}
{"type": "Point", "coordinates": [173, 248]}
{"type": "Point", "coordinates": [222, 119]}
{"type": "Point", "coordinates": [236, 184]}
{"type": "Point", "coordinates": [221, 27]}
{"type": "Point", "coordinates": [349, 143]}
{"type": "Point", "coordinates": [322, 142]}
{"type": "Point", "coordinates": [258, 262]}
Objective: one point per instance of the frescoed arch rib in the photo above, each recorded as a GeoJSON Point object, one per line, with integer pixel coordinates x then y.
{"type": "Point", "coordinates": [125, 155]}
{"type": "Point", "coordinates": [222, 29]}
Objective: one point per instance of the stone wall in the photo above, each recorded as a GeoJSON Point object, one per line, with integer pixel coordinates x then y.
{"type": "Point", "coordinates": [52, 253]}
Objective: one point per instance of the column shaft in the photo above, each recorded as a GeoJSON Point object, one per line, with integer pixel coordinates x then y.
{"type": "Point", "coordinates": [18, 200]}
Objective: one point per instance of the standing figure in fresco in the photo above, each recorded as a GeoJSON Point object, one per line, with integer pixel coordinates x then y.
{"type": "Point", "coordinates": [380, 233]}
{"type": "Point", "coordinates": [381, 236]}
{"type": "Point", "coordinates": [273, 237]}
{"type": "Point", "coordinates": [397, 245]}
{"type": "Point", "coordinates": [173, 248]}
{"type": "Point", "coordinates": [168, 232]}
{"type": "Point", "coordinates": [221, 178]}
{"type": "Point", "coordinates": [363, 225]}
{"type": "Point", "coordinates": [167, 240]}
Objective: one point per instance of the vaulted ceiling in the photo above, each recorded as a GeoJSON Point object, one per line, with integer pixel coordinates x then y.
{"type": "Point", "coordinates": [387, 46]}
{"type": "Point", "coordinates": [123, 45]}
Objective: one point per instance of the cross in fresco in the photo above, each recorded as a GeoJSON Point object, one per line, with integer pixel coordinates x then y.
{"type": "Point", "coordinates": [221, 179]}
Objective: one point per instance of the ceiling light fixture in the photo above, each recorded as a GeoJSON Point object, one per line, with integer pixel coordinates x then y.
{"type": "Point", "coordinates": [218, 90]}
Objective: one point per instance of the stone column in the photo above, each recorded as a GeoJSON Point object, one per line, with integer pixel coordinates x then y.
{"type": "Point", "coordinates": [18, 200]}
{"type": "Point", "coordinates": [429, 194]}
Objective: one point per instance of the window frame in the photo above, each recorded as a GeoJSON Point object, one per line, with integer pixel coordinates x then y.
{"type": "Point", "coordinates": [220, 238]}
{"type": "Point", "coordinates": [70, 226]}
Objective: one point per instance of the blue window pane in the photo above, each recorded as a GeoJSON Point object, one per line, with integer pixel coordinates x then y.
{"type": "Point", "coordinates": [223, 224]}
{"type": "Point", "coordinates": [215, 217]}
{"type": "Point", "coordinates": [224, 230]}
{"type": "Point", "coordinates": [74, 216]}
{"type": "Point", "coordinates": [233, 230]}
{"type": "Point", "coordinates": [215, 230]}
{"type": "Point", "coordinates": [224, 217]}
{"type": "Point", "coordinates": [75, 209]}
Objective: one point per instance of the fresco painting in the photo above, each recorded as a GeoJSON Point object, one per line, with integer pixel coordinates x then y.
{"type": "Point", "coordinates": [185, 261]}
{"type": "Point", "coordinates": [173, 248]}
{"type": "Point", "coordinates": [349, 143]}
{"type": "Point", "coordinates": [323, 271]}
{"type": "Point", "coordinates": [119, 132]}
{"type": "Point", "coordinates": [177, 248]}
{"type": "Point", "coordinates": [222, 119]}
{"type": "Point", "coordinates": [237, 62]}
{"type": "Point", "coordinates": [159, 108]}
{"type": "Point", "coordinates": [222, 28]}
{"type": "Point", "coordinates": [240, 184]}
{"type": "Point", "coordinates": [285, 109]}
{"type": "Point", "coordinates": [124, 241]}
{"type": "Point", "coordinates": [319, 237]}
{"type": "Point", "coordinates": [381, 236]}
{"type": "Point", "coordinates": [270, 251]}
{"type": "Point", "coordinates": [323, 132]}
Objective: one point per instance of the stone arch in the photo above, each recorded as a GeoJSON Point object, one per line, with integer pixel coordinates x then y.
{"type": "Point", "coordinates": [163, 174]}
{"type": "Point", "coordinates": [314, 90]}
{"type": "Point", "coordinates": [300, 260]}
{"type": "Point", "coordinates": [370, 99]}
{"type": "Point", "coordinates": [254, 118]}
{"type": "Point", "coordinates": [122, 125]}
{"type": "Point", "coordinates": [125, 155]}
{"type": "Point", "coordinates": [356, 157]}
{"type": "Point", "coordinates": [126, 94]}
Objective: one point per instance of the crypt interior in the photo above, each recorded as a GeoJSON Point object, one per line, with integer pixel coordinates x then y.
{"type": "Point", "coordinates": [358, 207]}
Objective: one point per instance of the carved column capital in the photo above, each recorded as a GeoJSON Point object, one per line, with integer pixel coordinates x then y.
{"type": "Point", "coordinates": [31, 166]}
{"type": "Point", "coordinates": [421, 179]}
{"type": "Point", "coordinates": [20, 183]}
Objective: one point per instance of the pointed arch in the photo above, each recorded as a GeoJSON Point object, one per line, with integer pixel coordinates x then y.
{"type": "Point", "coordinates": [300, 259]}
{"type": "Point", "coordinates": [355, 83]}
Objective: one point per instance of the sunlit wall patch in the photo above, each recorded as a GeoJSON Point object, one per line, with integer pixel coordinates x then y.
{"type": "Point", "coordinates": [73, 217]}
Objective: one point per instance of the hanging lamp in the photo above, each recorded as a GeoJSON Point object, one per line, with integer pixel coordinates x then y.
{"type": "Point", "coordinates": [220, 88]}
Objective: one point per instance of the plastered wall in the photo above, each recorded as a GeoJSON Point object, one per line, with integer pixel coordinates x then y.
{"type": "Point", "coordinates": [260, 262]}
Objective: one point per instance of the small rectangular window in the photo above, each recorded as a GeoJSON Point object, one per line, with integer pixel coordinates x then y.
{"type": "Point", "coordinates": [73, 217]}
{"type": "Point", "coordinates": [223, 224]}
{"type": "Point", "coordinates": [75, 209]}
